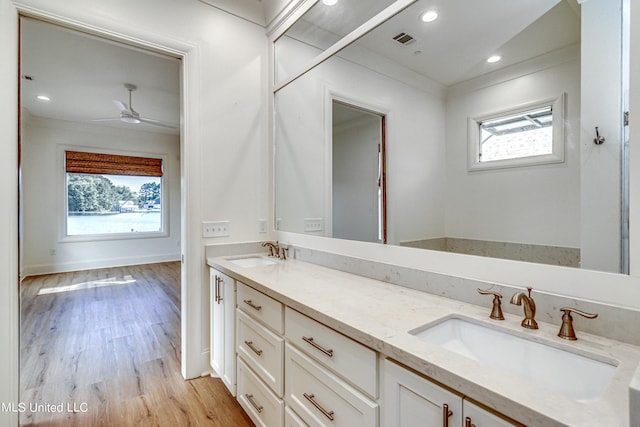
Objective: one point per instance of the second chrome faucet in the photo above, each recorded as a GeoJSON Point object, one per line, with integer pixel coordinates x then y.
{"type": "Point", "coordinates": [520, 298]}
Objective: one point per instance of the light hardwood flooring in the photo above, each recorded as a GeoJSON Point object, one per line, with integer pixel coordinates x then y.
{"type": "Point", "coordinates": [106, 344]}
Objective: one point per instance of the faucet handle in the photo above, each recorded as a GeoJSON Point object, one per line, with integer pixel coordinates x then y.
{"type": "Point", "coordinates": [496, 311]}
{"type": "Point", "coordinates": [566, 330]}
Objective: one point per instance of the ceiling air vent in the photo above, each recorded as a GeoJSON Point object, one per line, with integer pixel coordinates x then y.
{"type": "Point", "coordinates": [404, 39]}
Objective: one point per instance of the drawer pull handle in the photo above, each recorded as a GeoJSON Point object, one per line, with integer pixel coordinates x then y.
{"type": "Point", "coordinates": [310, 398]}
{"type": "Point", "coordinates": [253, 402]}
{"type": "Point", "coordinates": [252, 347]}
{"type": "Point", "coordinates": [468, 423]}
{"type": "Point", "coordinates": [446, 413]}
{"type": "Point", "coordinates": [318, 347]}
{"type": "Point", "coordinates": [252, 305]}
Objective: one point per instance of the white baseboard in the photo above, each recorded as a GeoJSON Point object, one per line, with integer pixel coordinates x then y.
{"type": "Point", "coordinates": [36, 270]}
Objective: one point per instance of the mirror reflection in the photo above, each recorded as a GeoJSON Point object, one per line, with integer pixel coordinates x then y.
{"type": "Point", "coordinates": [435, 86]}
{"type": "Point", "coordinates": [326, 22]}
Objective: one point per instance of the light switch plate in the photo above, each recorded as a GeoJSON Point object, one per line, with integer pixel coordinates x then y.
{"type": "Point", "coordinates": [312, 225]}
{"type": "Point", "coordinates": [215, 228]}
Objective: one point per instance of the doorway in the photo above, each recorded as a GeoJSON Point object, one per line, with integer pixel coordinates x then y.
{"type": "Point", "coordinates": [358, 174]}
{"type": "Point", "coordinates": [82, 93]}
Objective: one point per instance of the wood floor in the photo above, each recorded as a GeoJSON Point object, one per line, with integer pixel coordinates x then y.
{"type": "Point", "coordinates": [102, 348]}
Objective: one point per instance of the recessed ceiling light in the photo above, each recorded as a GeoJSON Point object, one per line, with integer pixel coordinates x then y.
{"type": "Point", "coordinates": [329, 2]}
{"type": "Point", "coordinates": [43, 98]}
{"type": "Point", "coordinates": [494, 58]}
{"type": "Point", "coordinates": [429, 16]}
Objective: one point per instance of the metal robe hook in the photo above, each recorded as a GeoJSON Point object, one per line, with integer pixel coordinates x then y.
{"type": "Point", "coordinates": [598, 139]}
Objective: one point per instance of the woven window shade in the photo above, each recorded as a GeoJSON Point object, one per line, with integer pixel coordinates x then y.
{"type": "Point", "coordinates": [112, 164]}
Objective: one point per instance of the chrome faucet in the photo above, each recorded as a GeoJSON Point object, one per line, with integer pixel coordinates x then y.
{"type": "Point", "coordinates": [529, 320]}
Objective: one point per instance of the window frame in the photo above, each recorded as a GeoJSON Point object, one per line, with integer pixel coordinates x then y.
{"type": "Point", "coordinates": [64, 237]}
{"type": "Point", "coordinates": [557, 153]}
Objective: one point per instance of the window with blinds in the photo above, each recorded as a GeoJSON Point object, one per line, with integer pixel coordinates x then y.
{"type": "Point", "coordinates": [111, 194]}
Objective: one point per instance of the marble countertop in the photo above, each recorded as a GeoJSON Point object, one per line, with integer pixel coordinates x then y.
{"type": "Point", "coordinates": [380, 316]}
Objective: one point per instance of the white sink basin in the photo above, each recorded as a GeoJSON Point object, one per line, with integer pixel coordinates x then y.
{"type": "Point", "coordinates": [252, 261]}
{"type": "Point", "coordinates": [577, 376]}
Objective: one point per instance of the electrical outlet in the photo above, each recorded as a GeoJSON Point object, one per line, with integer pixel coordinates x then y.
{"type": "Point", "coordinates": [278, 223]}
{"type": "Point", "coordinates": [312, 225]}
{"type": "Point", "coordinates": [262, 226]}
{"type": "Point", "coordinates": [215, 228]}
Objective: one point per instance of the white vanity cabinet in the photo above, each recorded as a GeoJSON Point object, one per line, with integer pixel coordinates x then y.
{"type": "Point", "coordinates": [294, 371]}
{"type": "Point", "coordinates": [260, 352]}
{"type": "Point", "coordinates": [222, 327]}
{"type": "Point", "coordinates": [411, 400]}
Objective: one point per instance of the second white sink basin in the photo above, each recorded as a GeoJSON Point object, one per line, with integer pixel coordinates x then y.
{"type": "Point", "coordinates": [575, 375]}
{"type": "Point", "coordinates": [252, 261]}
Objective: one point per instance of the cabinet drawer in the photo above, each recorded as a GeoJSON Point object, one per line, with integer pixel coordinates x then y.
{"type": "Point", "coordinates": [262, 406]}
{"type": "Point", "coordinates": [262, 350]}
{"type": "Point", "coordinates": [353, 361]}
{"type": "Point", "coordinates": [291, 419]}
{"type": "Point", "coordinates": [321, 398]}
{"type": "Point", "coordinates": [261, 307]}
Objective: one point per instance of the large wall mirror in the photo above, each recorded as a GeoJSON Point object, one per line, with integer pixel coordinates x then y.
{"type": "Point", "coordinates": [496, 157]}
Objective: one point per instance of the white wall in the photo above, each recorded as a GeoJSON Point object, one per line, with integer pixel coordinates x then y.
{"type": "Point", "coordinates": [9, 314]}
{"type": "Point", "coordinates": [43, 141]}
{"type": "Point", "coordinates": [532, 204]}
{"type": "Point", "coordinates": [415, 147]}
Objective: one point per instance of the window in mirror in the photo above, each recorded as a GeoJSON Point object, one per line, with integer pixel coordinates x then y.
{"type": "Point", "coordinates": [518, 137]}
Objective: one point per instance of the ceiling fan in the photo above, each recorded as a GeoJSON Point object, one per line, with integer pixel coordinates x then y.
{"type": "Point", "coordinates": [129, 115]}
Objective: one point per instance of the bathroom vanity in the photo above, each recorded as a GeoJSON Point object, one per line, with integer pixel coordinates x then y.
{"type": "Point", "coordinates": [318, 346]}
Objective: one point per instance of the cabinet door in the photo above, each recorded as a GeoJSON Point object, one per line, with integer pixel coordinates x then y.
{"type": "Point", "coordinates": [475, 416]}
{"type": "Point", "coordinates": [412, 401]}
{"type": "Point", "coordinates": [228, 290]}
{"type": "Point", "coordinates": [217, 323]}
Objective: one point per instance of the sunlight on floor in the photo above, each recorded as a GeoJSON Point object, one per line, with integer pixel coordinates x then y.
{"type": "Point", "coordinates": [112, 281]}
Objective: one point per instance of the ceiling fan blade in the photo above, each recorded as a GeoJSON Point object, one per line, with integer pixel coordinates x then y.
{"type": "Point", "coordinates": [157, 123]}
{"type": "Point", "coordinates": [122, 106]}
{"type": "Point", "coordinates": [109, 119]}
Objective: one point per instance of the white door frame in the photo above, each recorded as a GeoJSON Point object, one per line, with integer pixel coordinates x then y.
{"type": "Point", "coordinates": [191, 252]}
